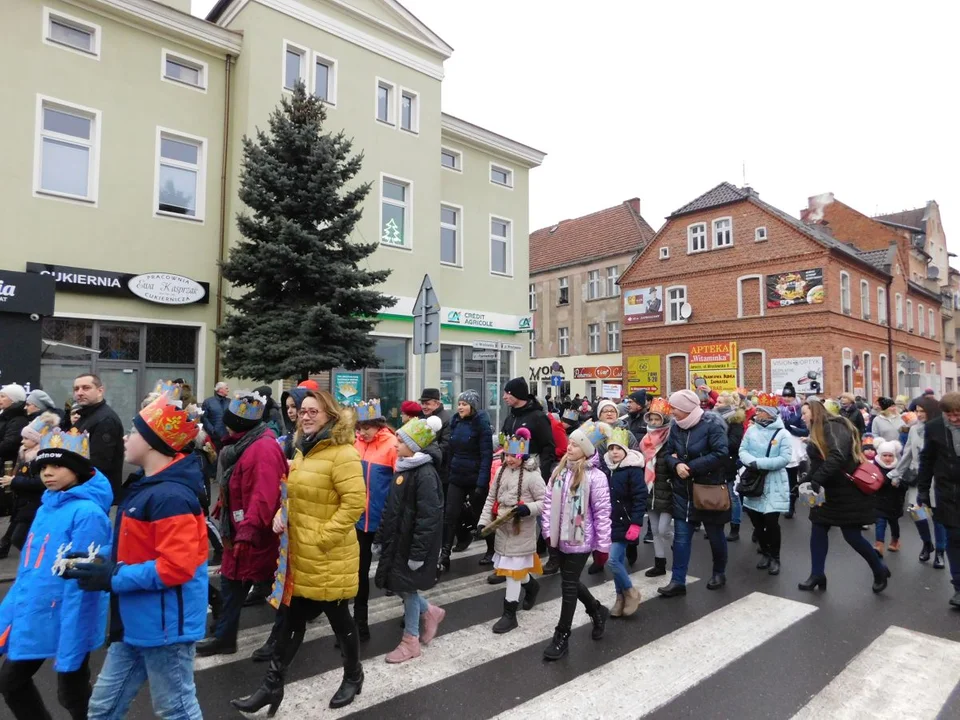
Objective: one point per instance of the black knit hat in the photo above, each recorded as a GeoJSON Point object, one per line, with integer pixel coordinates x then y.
{"type": "Point", "coordinates": [789, 391]}
{"type": "Point", "coordinates": [639, 397]}
{"type": "Point", "coordinates": [885, 403]}
{"type": "Point", "coordinates": [517, 388]}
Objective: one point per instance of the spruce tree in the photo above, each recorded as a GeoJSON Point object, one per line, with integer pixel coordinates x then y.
{"type": "Point", "coordinates": [306, 304]}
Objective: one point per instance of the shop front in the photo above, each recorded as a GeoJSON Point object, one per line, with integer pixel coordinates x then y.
{"type": "Point", "coordinates": [589, 376]}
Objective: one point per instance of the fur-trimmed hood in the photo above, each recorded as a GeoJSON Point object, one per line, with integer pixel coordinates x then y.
{"type": "Point", "coordinates": [633, 459]}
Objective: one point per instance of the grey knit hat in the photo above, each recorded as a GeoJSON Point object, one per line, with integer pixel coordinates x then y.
{"type": "Point", "coordinates": [471, 398]}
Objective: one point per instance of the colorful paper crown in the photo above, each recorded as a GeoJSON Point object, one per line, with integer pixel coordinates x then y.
{"type": "Point", "coordinates": [166, 387]}
{"type": "Point", "coordinates": [660, 406]}
{"type": "Point", "coordinates": [165, 427]}
{"type": "Point", "coordinates": [620, 436]}
{"type": "Point", "coordinates": [768, 400]}
{"type": "Point", "coordinates": [518, 444]}
{"type": "Point", "coordinates": [594, 432]}
{"type": "Point", "coordinates": [74, 441]}
{"type": "Point", "coordinates": [369, 410]}
{"type": "Point", "coordinates": [248, 405]}
{"type": "Point", "coordinates": [42, 425]}
{"type": "Point", "coordinates": [571, 414]}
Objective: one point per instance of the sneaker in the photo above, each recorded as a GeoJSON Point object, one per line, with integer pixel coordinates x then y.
{"type": "Point", "coordinates": [431, 623]}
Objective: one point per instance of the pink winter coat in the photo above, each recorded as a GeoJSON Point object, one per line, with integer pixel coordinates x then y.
{"type": "Point", "coordinates": [596, 517]}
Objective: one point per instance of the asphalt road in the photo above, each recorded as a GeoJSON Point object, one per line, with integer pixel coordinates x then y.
{"type": "Point", "coordinates": [757, 649]}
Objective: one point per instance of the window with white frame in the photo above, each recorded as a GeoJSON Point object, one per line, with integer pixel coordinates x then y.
{"type": "Point", "coordinates": [864, 300]}
{"type": "Point", "coordinates": [71, 33]}
{"type": "Point", "coordinates": [180, 183]}
{"type": "Point", "coordinates": [760, 234]}
{"type": "Point", "coordinates": [844, 293]}
{"type": "Point", "coordinates": [563, 341]}
{"type": "Point", "coordinates": [451, 159]}
{"type": "Point", "coordinates": [501, 176]}
{"type": "Point", "coordinates": [325, 78]}
{"type": "Point", "coordinates": [533, 343]}
{"type": "Point", "coordinates": [386, 101]}
{"type": "Point", "coordinates": [532, 297]}
{"type": "Point", "coordinates": [920, 320]}
{"type": "Point", "coordinates": [68, 152]}
{"type": "Point", "coordinates": [593, 285]}
{"type": "Point", "coordinates": [563, 298]}
{"type": "Point", "coordinates": [450, 224]}
{"type": "Point", "coordinates": [613, 275]}
{"type": "Point", "coordinates": [676, 297]}
{"type": "Point", "coordinates": [898, 309]}
{"type": "Point", "coordinates": [183, 70]}
{"type": "Point", "coordinates": [409, 111]}
{"type": "Point", "coordinates": [882, 305]}
{"type": "Point", "coordinates": [593, 337]}
{"type": "Point", "coordinates": [884, 376]}
{"type": "Point", "coordinates": [930, 323]}
{"type": "Point", "coordinates": [613, 337]}
{"type": "Point", "coordinates": [395, 212]}
{"type": "Point", "coordinates": [909, 315]}
{"type": "Point", "coordinates": [664, 253]}
{"type": "Point", "coordinates": [696, 237]}
{"type": "Point", "coordinates": [722, 232]}
{"type": "Point", "coordinates": [500, 246]}
{"type": "Point", "coordinates": [294, 65]}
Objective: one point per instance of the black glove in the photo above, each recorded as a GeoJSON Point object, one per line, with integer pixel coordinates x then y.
{"type": "Point", "coordinates": [522, 511]}
{"type": "Point", "coordinates": [753, 465]}
{"type": "Point", "coordinates": [92, 577]}
{"type": "Point", "coordinates": [923, 499]}
{"type": "Point", "coordinates": [478, 532]}
{"type": "Point", "coordinates": [479, 497]}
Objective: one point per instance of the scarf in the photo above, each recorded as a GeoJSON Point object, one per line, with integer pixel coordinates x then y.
{"type": "Point", "coordinates": [309, 442]}
{"type": "Point", "coordinates": [692, 419]}
{"type": "Point", "coordinates": [649, 446]}
{"type": "Point", "coordinates": [410, 463]}
{"type": "Point", "coordinates": [229, 456]}
{"type": "Point", "coordinates": [574, 509]}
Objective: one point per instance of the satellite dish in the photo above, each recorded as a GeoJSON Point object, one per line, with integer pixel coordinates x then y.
{"type": "Point", "coordinates": [686, 310]}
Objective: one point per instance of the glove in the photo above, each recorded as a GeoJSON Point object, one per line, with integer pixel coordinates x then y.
{"type": "Point", "coordinates": [600, 558]}
{"type": "Point", "coordinates": [241, 551]}
{"type": "Point", "coordinates": [414, 564]}
{"type": "Point", "coordinates": [478, 533]}
{"type": "Point", "coordinates": [923, 499]}
{"type": "Point", "coordinates": [93, 577]}
{"type": "Point", "coordinates": [633, 532]}
{"type": "Point", "coordinates": [479, 497]}
{"type": "Point", "coordinates": [523, 511]}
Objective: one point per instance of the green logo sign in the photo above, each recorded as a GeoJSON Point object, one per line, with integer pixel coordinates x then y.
{"type": "Point", "coordinates": [526, 323]}
{"type": "Point", "coordinates": [453, 317]}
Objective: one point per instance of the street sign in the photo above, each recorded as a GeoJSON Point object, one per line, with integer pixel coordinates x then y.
{"type": "Point", "coordinates": [426, 320]}
{"type": "Point", "coordinates": [485, 354]}
{"type": "Point", "coordinates": [556, 381]}
{"type": "Point", "coordinates": [511, 346]}
{"type": "Point", "coordinates": [485, 345]}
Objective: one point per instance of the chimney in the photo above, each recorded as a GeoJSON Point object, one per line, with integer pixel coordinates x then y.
{"type": "Point", "coordinates": [634, 204]}
{"type": "Point", "coordinates": [750, 191]}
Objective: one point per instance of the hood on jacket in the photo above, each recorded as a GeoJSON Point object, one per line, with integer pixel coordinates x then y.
{"type": "Point", "coordinates": [777, 424]}
{"type": "Point", "coordinates": [97, 489]}
{"type": "Point", "coordinates": [737, 416]}
{"type": "Point", "coordinates": [298, 394]}
{"type": "Point", "coordinates": [633, 459]}
{"type": "Point", "coordinates": [436, 455]}
{"type": "Point", "coordinates": [533, 405]}
{"type": "Point", "coordinates": [187, 471]}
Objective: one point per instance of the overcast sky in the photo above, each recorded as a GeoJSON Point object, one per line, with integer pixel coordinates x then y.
{"type": "Point", "coordinates": [664, 100]}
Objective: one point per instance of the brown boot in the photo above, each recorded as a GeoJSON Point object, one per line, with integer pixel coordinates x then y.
{"type": "Point", "coordinates": [894, 545]}
{"type": "Point", "coordinates": [617, 609]}
{"type": "Point", "coordinates": [631, 601]}
{"type": "Point", "coordinates": [879, 547]}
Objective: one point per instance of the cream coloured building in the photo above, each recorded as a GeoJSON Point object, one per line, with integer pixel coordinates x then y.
{"type": "Point", "coordinates": [122, 157]}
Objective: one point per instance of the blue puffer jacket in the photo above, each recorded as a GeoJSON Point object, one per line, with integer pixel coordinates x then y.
{"type": "Point", "coordinates": [470, 450]}
{"type": "Point", "coordinates": [43, 615]}
{"type": "Point", "coordinates": [776, 488]}
{"type": "Point", "coordinates": [705, 450]}
{"type": "Point", "coordinates": [628, 495]}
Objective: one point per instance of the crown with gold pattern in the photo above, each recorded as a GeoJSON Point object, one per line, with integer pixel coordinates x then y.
{"type": "Point", "coordinates": [660, 406]}
{"type": "Point", "coordinates": [73, 441]}
{"type": "Point", "coordinates": [619, 436]}
{"type": "Point", "coordinates": [571, 414]}
{"type": "Point", "coordinates": [369, 410]}
{"type": "Point", "coordinates": [248, 405]}
{"type": "Point", "coordinates": [768, 399]}
{"type": "Point", "coordinates": [518, 444]}
{"type": "Point", "coordinates": [165, 427]}
{"type": "Point", "coordinates": [594, 432]}
{"type": "Point", "coordinates": [167, 387]}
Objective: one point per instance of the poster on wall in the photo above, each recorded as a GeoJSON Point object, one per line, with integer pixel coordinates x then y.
{"type": "Point", "coordinates": [493, 394]}
{"type": "Point", "coordinates": [446, 393]}
{"type": "Point", "coordinates": [799, 287]}
{"type": "Point", "coordinates": [716, 364]}
{"type": "Point", "coordinates": [805, 373]}
{"type": "Point", "coordinates": [612, 391]}
{"type": "Point", "coordinates": [642, 305]}
{"type": "Point", "coordinates": [347, 387]}
{"type": "Point", "coordinates": [643, 373]}
{"type": "Point", "coordinates": [717, 380]}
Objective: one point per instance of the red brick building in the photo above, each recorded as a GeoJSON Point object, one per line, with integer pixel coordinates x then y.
{"type": "Point", "coordinates": [739, 292]}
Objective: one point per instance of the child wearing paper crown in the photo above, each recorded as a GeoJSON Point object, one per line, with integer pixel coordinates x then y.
{"type": "Point", "coordinates": [628, 503]}
{"type": "Point", "coordinates": [890, 497]}
{"type": "Point", "coordinates": [518, 488]}
{"type": "Point", "coordinates": [411, 533]}
{"type": "Point", "coordinates": [576, 521]}
{"type": "Point", "coordinates": [45, 615]}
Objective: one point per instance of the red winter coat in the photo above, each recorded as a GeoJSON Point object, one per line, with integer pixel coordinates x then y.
{"type": "Point", "coordinates": [559, 436]}
{"type": "Point", "coordinates": [255, 489]}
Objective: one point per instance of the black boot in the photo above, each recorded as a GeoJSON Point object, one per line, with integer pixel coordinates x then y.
{"type": "Point", "coordinates": [631, 555]}
{"type": "Point", "coordinates": [531, 588]}
{"type": "Point", "coordinates": [494, 579]}
{"type": "Point", "coordinates": [764, 562]}
{"type": "Point", "coordinates": [352, 682]}
{"type": "Point", "coordinates": [444, 564]}
{"type": "Point", "coordinates": [553, 563]}
{"type": "Point", "coordinates": [926, 552]}
{"type": "Point", "coordinates": [600, 615]}
{"type": "Point", "coordinates": [880, 581]}
{"type": "Point", "coordinates": [487, 558]}
{"type": "Point", "coordinates": [672, 589]}
{"type": "Point", "coordinates": [659, 568]}
{"type": "Point", "coordinates": [559, 646]}
{"type": "Point", "coordinates": [938, 560]}
{"type": "Point", "coordinates": [734, 534]}
{"type": "Point", "coordinates": [774, 568]}
{"type": "Point", "coordinates": [507, 621]}
{"type": "Point", "coordinates": [269, 693]}
{"type": "Point", "coordinates": [717, 581]}
{"type": "Point", "coordinates": [216, 646]}
{"type": "Point", "coordinates": [594, 569]}
{"type": "Point", "coordinates": [462, 544]}
{"type": "Point", "coordinates": [360, 619]}
{"type": "Point", "coordinates": [813, 582]}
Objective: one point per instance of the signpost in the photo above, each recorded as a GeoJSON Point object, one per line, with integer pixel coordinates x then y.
{"type": "Point", "coordinates": [426, 326]}
{"type": "Point", "coordinates": [490, 350]}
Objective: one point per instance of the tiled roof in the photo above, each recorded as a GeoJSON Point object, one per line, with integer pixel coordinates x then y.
{"type": "Point", "coordinates": [907, 218]}
{"type": "Point", "coordinates": [722, 194]}
{"type": "Point", "coordinates": [881, 259]}
{"type": "Point", "coordinates": [614, 231]}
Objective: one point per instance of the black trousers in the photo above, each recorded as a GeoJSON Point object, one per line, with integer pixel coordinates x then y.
{"type": "Point", "coordinates": [293, 625]}
{"type": "Point", "coordinates": [24, 700]}
{"type": "Point", "coordinates": [15, 535]}
{"type": "Point", "coordinates": [452, 510]}
{"type": "Point", "coordinates": [366, 558]}
{"type": "Point", "coordinates": [767, 526]}
{"type": "Point", "coordinates": [571, 589]}
{"type": "Point", "coordinates": [232, 594]}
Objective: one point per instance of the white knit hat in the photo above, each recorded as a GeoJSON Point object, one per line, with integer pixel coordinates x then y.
{"type": "Point", "coordinates": [14, 392]}
{"type": "Point", "coordinates": [605, 404]}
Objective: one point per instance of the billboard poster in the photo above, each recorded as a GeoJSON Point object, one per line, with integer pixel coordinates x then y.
{"type": "Point", "coordinates": [799, 287]}
{"type": "Point", "coordinates": [718, 380]}
{"type": "Point", "coordinates": [643, 373]}
{"type": "Point", "coordinates": [713, 356]}
{"type": "Point", "coordinates": [642, 305]}
{"type": "Point", "coordinates": [347, 387]}
{"type": "Point", "coordinates": [598, 372]}
{"type": "Point", "coordinates": [806, 374]}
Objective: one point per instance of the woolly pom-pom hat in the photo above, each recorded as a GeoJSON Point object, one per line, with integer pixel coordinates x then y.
{"type": "Point", "coordinates": [420, 432]}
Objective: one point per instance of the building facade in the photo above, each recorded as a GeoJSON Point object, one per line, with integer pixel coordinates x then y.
{"type": "Point", "coordinates": [574, 295]}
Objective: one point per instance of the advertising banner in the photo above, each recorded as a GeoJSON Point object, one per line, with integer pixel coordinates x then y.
{"type": "Point", "coordinates": [713, 356]}
{"type": "Point", "coordinates": [799, 287]}
{"type": "Point", "coordinates": [642, 305]}
{"type": "Point", "coordinates": [347, 387]}
{"type": "Point", "coordinates": [643, 373]}
{"type": "Point", "coordinates": [600, 372]}
{"type": "Point", "coordinates": [806, 374]}
{"type": "Point", "coordinates": [719, 380]}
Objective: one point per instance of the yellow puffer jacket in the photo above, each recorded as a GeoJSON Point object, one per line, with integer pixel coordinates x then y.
{"type": "Point", "coordinates": [326, 497]}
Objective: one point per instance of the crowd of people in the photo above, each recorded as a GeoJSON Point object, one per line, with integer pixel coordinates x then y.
{"type": "Point", "coordinates": [309, 492]}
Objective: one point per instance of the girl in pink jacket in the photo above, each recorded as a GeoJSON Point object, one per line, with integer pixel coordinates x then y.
{"type": "Point", "coordinates": [576, 521]}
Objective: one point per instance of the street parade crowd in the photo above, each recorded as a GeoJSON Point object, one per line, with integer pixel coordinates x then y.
{"type": "Point", "coordinates": [310, 492]}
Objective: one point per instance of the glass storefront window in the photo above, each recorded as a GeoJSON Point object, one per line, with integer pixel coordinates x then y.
{"type": "Point", "coordinates": [119, 342]}
{"type": "Point", "coordinates": [459, 372]}
{"type": "Point", "coordinates": [170, 345]}
{"type": "Point", "coordinates": [69, 331]}
{"type": "Point", "coordinates": [392, 353]}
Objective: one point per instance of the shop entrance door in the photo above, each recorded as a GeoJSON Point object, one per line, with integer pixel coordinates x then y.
{"type": "Point", "coordinates": [122, 386]}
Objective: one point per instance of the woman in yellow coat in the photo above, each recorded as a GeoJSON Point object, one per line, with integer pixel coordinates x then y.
{"type": "Point", "coordinates": [326, 496]}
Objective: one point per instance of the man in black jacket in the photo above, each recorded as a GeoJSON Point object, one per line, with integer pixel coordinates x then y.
{"type": "Point", "coordinates": [13, 419]}
{"type": "Point", "coordinates": [432, 405]}
{"type": "Point", "coordinates": [104, 426]}
{"type": "Point", "coordinates": [636, 409]}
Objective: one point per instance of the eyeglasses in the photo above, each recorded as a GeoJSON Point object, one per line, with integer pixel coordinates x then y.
{"type": "Point", "coordinates": [312, 413]}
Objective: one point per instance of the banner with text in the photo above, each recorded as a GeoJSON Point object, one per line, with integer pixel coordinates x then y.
{"type": "Point", "coordinates": [804, 373]}
{"type": "Point", "coordinates": [800, 287]}
{"type": "Point", "coordinates": [643, 305]}
{"type": "Point", "coordinates": [643, 373]}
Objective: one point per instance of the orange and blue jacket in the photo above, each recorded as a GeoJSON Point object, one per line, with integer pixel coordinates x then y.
{"type": "Point", "coordinates": [160, 546]}
{"type": "Point", "coordinates": [379, 458]}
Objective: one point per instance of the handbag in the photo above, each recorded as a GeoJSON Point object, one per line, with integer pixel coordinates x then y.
{"type": "Point", "coordinates": [867, 477]}
{"type": "Point", "coordinates": [714, 498]}
{"type": "Point", "coordinates": [752, 481]}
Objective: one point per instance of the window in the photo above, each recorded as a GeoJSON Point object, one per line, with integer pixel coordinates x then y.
{"type": "Point", "coordinates": [533, 297]}
{"type": "Point", "coordinates": [451, 159]}
{"type": "Point", "coordinates": [563, 340]}
{"type": "Point", "coordinates": [696, 237]}
{"type": "Point", "coordinates": [909, 315]}
{"type": "Point", "coordinates": [183, 70]}
{"type": "Point", "coordinates": [385, 101]}
{"type": "Point", "coordinates": [868, 376]}
{"type": "Point", "coordinates": [882, 305]}
{"type": "Point", "coordinates": [613, 275]}
{"type": "Point", "coordinates": [501, 176]}
{"type": "Point", "coordinates": [68, 150]}
{"type": "Point", "coordinates": [920, 320]}
{"type": "Point", "coordinates": [760, 234]}
{"type": "Point", "coordinates": [410, 111]}
{"type": "Point", "coordinates": [294, 65]}
{"type": "Point", "coordinates": [613, 337]}
{"type": "Point", "coordinates": [593, 285]}
{"type": "Point", "coordinates": [676, 297]}
{"type": "Point", "coordinates": [884, 376]}
{"type": "Point", "coordinates": [501, 256]}
{"type": "Point", "coordinates": [450, 234]}
{"type": "Point", "coordinates": [593, 337]}
{"type": "Point", "coordinates": [864, 300]}
{"type": "Point", "coordinates": [396, 217]}
{"type": "Point", "coordinates": [930, 324]}
{"type": "Point", "coordinates": [325, 78]}
{"type": "Point", "coordinates": [898, 302]}
{"type": "Point", "coordinates": [564, 297]}
{"type": "Point", "coordinates": [533, 343]}
{"type": "Point", "coordinates": [844, 293]}
{"type": "Point", "coordinates": [71, 33]}
{"type": "Point", "coordinates": [664, 253]}
{"type": "Point", "coordinates": [180, 173]}
{"type": "Point", "coordinates": [722, 233]}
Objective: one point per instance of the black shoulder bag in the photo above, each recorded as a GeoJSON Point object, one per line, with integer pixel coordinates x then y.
{"type": "Point", "coordinates": [752, 481]}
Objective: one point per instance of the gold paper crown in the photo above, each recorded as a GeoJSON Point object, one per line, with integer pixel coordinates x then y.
{"type": "Point", "coordinates": [768, 399]}
{"type": "Point", "coordinates": [369, 410]}
{"type": "Point", "coordinates": [660, 406]}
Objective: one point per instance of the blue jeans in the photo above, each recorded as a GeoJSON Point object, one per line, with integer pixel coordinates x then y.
{"type": "Point", "coordinates": [169, 670]}
{"type": "Point", "coordinates": [414, 605]}
{"type": "Point", "coordinates": [882, 529]}
{"type": "Point", "coordinates": [232, 594]}
{"type": "Point", "coordinates": [617, 565]}
{"type": "Point", "coordinates": [736, 509]}
{"type": "Point", "coordinates": [819, 544]}
{"type": "Point", "coordinates": [683, 534]}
